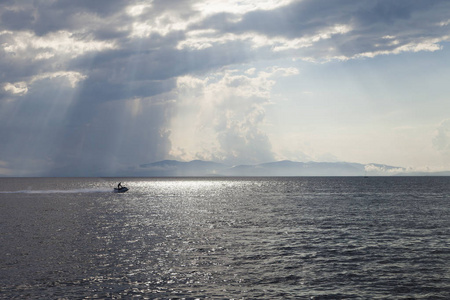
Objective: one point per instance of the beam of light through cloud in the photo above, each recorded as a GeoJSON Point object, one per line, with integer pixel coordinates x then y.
{"type": "Point", "coordinates": [21, 88]}
{"type": "Point", "coordinates": [103, 86]}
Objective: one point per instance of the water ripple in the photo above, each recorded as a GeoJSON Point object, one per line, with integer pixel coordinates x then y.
{"type": "Point", "coordinates": [280, 238]}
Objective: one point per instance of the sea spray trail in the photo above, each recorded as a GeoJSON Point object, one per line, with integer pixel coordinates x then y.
{"type": "Point", "coordinates": [72, 191]}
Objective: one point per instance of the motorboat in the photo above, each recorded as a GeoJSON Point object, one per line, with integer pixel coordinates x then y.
{"type": "Point", "coordinates": [120, 190]}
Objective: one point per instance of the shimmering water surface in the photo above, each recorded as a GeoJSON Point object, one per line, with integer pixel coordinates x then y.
{"type": "Point", "coordinates": [219, 238]}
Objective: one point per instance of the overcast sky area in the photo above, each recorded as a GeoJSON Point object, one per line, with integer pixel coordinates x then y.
{"type": "Point", "coordinates": [93, 88]}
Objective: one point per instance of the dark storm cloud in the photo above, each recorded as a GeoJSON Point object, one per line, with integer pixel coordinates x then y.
{"type": "Point", "coordinates": [294, 20]}
{"type": "Point", "coordinates": [17, 20]}
{"type": "Point", "coordinates": [89, 127]}
{"type": "Point", "coordinates": [370, 22]}
{"type": "Point", "coordinates": [56, 129]}
{"type": "Point", "coordinates": [70, 69]}
{"type": "Point", "coordinates": [110, 138]}
{"type": "Point", "coordinates": [49, 16]}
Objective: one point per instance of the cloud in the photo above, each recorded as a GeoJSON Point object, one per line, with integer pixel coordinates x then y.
{"type": "Point", "coordinates": [161, 40]}
{"type": "Point", "coordinates": [94, 81]}
{"type": "Point", "coordinates": [441, 140]}
{"type": "Point", "coordinates": [16, 88]}
{"type": "Point", "coordinates": [60, 43]}
{"type": "Point", "coordinates": [52, 16]}
{"type": "Point", "coordinates": [229, 116]}
{"type": "Point", "coordinates": [324, 30]}
{"type": "Point", "coordinates": [382, 170]}
{"type": "Point", "coordinates": [114, 136]}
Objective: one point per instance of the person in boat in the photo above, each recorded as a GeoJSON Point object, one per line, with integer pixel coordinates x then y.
{"type": "Point", "coordinates": [119, 186]}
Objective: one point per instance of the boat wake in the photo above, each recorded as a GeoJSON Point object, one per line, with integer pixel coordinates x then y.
{"type": "Point", "coordinates": [72, 191]}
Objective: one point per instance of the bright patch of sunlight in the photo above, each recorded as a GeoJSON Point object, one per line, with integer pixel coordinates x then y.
{"type": "Point", "coordinates": [238, 6]}
{"type": "Point", "coordinates": [185, 187]}
{"type": "Point", "coordinates": [135, 106]}
{"type": "Point", "coordinates": [172, 21]}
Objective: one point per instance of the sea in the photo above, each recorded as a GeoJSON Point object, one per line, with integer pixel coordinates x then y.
{"type": "Point", "coordinates": [225, 238]}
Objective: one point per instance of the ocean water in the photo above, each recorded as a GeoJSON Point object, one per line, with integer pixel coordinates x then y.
{"type": "Point", "coordinates": [225, 238]}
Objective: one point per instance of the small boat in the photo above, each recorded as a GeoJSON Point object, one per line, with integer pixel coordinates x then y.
{"type": "Point", "coordinates": [121, 190]}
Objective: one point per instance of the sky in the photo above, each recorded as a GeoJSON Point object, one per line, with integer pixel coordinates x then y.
{"type": "Point", "coordinates": [94, 88]}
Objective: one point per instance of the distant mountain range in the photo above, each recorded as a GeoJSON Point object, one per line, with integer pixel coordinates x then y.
{"type": "Point", "coordinates": [174, 168]}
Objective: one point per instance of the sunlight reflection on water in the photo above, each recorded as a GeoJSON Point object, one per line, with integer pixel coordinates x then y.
{"type": "Point", "coordinates": [272, 238]}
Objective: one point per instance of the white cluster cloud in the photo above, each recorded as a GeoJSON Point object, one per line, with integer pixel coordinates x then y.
{"type": "Point", "coordinates": [441, 140]}
{"type": "Point", "coordinates": [201, 39]}
{"type": "Point", "coordinates": [16, 88]}
{"type": "Point", "coordinates": [381, 170]}
{"type": "Point", "coordinates": [222, 115]}
{"type": "Point", "coordinates": [21, 88]}
{"type": "Point", "coordinates": [59, 43]}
